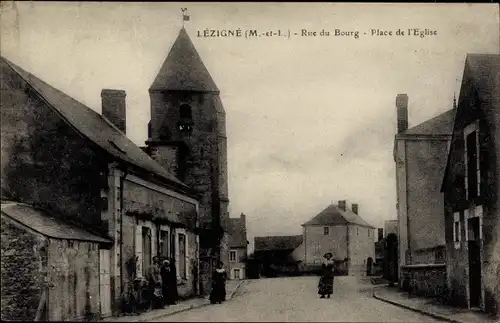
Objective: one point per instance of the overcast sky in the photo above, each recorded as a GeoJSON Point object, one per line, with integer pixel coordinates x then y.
{"type": "Point", "coordinates": [310, 120]}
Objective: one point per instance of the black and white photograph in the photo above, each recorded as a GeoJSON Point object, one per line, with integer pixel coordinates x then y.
{"type": "Point", "coordinates": [250, 161]}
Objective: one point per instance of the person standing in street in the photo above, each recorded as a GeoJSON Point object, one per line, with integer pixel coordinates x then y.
{"type": "Point", "coordinates": [219, 277]}
{"type": "Point", "coordinates": [325, 286]}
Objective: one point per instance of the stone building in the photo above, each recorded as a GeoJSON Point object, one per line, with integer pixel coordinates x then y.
{"type": "Point", "coordinates": [420, 157]}
{"type": "Point", "coordinates": [40, 252]}
{"type": "Point", "coordinates": [187, 136]}
{"type": "Point", "coordinates": [62, 156]}
{"type": "Point", "coordinates": [238, 247]}
{"type": "Point", "coordinates": [342, 232]}
{"type": "Point", "coordinates": [471, 188]}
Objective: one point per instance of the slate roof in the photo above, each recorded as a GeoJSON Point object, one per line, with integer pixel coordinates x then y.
{"type": "Point", "coordinates": [237, 233]}
{"type": "Point", "coordinates": [183, 69]}
{"type": "Point", "coordinates": [94, 126]}
{"type": "Point", "coordinates": [46, 224]}
{"type": "Point", "coordinates": [485, 72]}
{"type": "Point", "coordinates": [439, 125]}
{"type": "Point", "coordinates": [333, 215]}
{"type": "Point", "coordinates": [277, 243]}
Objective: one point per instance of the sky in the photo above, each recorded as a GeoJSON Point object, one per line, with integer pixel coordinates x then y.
{"type": "Point", "coordinates": [310, 119]}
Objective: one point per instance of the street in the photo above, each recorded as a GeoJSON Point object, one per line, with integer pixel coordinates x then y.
{"type": "Point", "coordinates": [295, 299]}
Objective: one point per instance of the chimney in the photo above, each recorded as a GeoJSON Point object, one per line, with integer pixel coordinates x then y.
{"type": "Point", "coordinates": [402, 111]}
{"type": "Point", "coordinates": [342, 204]}
{"type": "Point", "coordinates": [380, 234]}
{"type": "Point", "coordinates": [355, 208]}
{"type": "Point", "coordinates": [113, 107]}
{"type": "Point", "coordinates": [242, 216]}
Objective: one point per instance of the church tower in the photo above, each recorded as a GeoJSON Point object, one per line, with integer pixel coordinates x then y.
{"type": "Point", "coordinates": [187, 136]}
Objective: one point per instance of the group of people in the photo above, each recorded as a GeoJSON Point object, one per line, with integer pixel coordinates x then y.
{"type": "Point", "coordinates": [162, 279]}
{"type": "Point", "coordinates": [163, 283]}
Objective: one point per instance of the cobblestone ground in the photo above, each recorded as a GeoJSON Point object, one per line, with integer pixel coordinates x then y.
{"type": "Point", "coordinates": [295, 299]}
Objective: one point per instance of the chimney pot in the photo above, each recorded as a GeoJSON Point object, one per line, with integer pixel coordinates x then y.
{"type": "Point", "coordinates": [114, 108]}
{"type": "Point", "coordinates": [355, 208]}
{"type": "Point", "coordinates": [342, 204]}
{"type": "Point", "coordinates": [402, 111]}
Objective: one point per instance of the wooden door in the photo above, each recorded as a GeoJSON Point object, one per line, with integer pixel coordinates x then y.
{"type": "Point", "coordinates": [105, 283]}
{"type": "Point", "coordinates": [474, 263]}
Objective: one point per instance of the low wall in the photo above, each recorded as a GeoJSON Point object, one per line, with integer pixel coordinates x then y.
{"type": "Point", "coordinates": [427, 280]}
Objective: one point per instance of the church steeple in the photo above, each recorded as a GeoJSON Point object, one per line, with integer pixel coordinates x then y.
{"type": "Point", "coordinates": [183, 69]}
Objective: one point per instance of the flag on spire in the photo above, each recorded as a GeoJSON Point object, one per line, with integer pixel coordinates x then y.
{"type": "Point", "coordinates": [185, 16]}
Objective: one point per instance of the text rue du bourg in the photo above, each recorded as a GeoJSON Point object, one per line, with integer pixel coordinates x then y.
{"type": "Point", "coordinates": [255, 33]}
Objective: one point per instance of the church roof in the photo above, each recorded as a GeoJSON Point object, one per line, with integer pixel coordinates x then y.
{"type": "Point", "coordinates": [333, 215]}
{"type": "Point", "coordinates": [95, 127]}
{"type": "Point", "coordinates": [183, 69]}
{"type": "Point", "coordinates": [439, 125]}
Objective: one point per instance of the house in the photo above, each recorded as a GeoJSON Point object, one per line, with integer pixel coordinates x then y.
{"type": "Point", "coordinates": [238, 247]}
{"type": "Point", "coordinates": [275, 254]}
{"type": "Point", "coordinates": [38, 251]}
{"type": "Point", "coordinates": [187, 136]}
{"type": "Point", "coordinates": [63, 157]}
{"type": "Point", "coordinates": [342, 232]}
{"type": "Point", "coordinates": [420, 157]}
{"type": "Point", "coordinates": [471, 188]}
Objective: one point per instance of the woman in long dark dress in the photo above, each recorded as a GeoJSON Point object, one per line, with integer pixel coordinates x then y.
{"type": "Point", "coordinates": [219, 277]}
{"type": "Point", "coordinates": [169, 279]}
{"type": "Point", "coordinates": [325, 286]}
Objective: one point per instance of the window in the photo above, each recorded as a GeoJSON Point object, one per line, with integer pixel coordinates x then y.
{"type": "Point", "coordinates": [368, 233]}
{"type": "Point", "coordinates": [472, 169]}
{"type": "Point", "coordinates": [357, 231]}
{"type": "Point", "coordinates": [146, 250]}
{"type": "Point", "coordinates": [326, 231]}
{"type": "Point", "coordinates": [164, 245]}
{"type": "Point", "coordinates": [185, 112]}
{"type": "Point", "coordinates": [232, 256]}
{"type": "Point", "coordinates": [185, 123]}
{"type": "Point", "coordinates": [237, 274]}
{"type": "Point", "coordinates": [456, 229]}
{"type": "Point", "coordinates": [182, 256]}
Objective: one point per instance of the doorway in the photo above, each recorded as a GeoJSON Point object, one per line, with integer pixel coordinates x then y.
{"type": "Point", "coordinates": [474, 245]}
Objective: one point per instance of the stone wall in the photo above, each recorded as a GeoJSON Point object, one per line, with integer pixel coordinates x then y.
{"type": "Point", "coordinates": [425, 280]}
{"type": "Point", "coordinates": [361, 247]}
{"type": "Point", "coordinates": [316, 243]}
{"type": "Point", "coordinates": [22, 277]}
{"type": "Point", "coordinates": [73, 272]}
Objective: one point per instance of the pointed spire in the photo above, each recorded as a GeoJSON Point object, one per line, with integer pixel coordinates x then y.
{"type": "Point", "coordinates": [183, 69]}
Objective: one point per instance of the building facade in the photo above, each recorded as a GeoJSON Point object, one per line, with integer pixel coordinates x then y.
{"type": "Point", "coordinates": [238, 247]}
{"type": "Point", "coordinates": [62, 156]}
{"type": "Point", "coordinates": [420, 157]}
{"type": "Point", "coordinates": [342, 232]}
{"type": "Point", "coordinates": [471, 187]}
{"type": "Point", "coordinates": [187, 136]}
